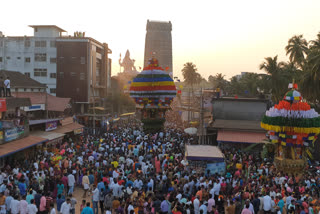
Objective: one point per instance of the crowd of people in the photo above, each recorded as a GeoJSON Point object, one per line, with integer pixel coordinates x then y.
{"type": "Point", "coordinates": [124, 171]}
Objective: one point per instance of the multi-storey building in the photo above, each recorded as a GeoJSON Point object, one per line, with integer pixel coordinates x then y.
{"type": "Point", "coordinates": [79, 60]}
{"type": "Point", "coordinates": [83, 71]}
{"type": "Point", "coordinates": [35, 56]}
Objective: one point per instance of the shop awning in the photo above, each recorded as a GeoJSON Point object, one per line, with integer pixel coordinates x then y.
{"type": "Point", "coordinates": [68, 128]}
{"type": "Point", "coordinates": [48, 135]}
{"type": "Point", "coordinates": [240, 137]}
{"type": "Point", "coordinates": [19, 145]}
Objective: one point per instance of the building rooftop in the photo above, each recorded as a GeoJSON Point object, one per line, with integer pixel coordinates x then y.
{"type": "Point", "coordinates": [47, 26]}
{"type": "Point", "coordinates": [54, 103]}
{"type": "Point", "coordinates": [203, 152]}
{"type": "Point", "coordinates": [19, 80]}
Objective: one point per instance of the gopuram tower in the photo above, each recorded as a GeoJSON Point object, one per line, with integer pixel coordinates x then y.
{"type": "Point", "coordinates": [159, 44]}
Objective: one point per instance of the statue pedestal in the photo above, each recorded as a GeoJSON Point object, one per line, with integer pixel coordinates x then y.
{"type": "Point", "coordinates": [290, 166]}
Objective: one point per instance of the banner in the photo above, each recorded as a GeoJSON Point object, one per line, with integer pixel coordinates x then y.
{"type": "Point", "coordinates": [3, 105]}
{"type": "Point", "coordinates": [11, 134]}
{"type": "Point", "coordinates": [78, 131]}
{"type": "Point", "coordinates": [219, 167]}
{"type": "Point", "coordinates": [51, 125]}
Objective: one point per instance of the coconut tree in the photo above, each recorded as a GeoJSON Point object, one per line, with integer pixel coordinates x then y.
{"type": "Point", "coordinates": [315, 44]}
{"type": "Point", "coordinates": [218, 81]}
{"type": "Point", "coordinates": [311, 81]}
{"type": "Point", "coordinates": [297, 49]}
{"type": "Point", "coordinates": [276, 76]}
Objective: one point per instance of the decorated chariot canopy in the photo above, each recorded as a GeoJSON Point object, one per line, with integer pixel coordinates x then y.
{"type": "Point", "coordinates": [292, 122]}
{"type": "Point", "coordinates": [153, 87]}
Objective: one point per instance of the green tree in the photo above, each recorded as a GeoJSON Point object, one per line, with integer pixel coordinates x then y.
{"type": "Point", "coordinates": [297, 48]}
{"type": "Point", "coordinates": [218, 81]}
{"type": "Point", "coordinates": [315, 44]}
{"type": "Point", "coordinates": [277, 78]}
{"type": "Point", "coordinates": [311, 80]}
{"type": "Point", "coordinates": [190, 75]}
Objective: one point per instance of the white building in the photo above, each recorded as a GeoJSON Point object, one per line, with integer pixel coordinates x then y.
{"type": "Point", "coordinates": [34, 56]}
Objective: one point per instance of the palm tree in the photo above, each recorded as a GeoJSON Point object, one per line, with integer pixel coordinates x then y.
{"type": "Point", "coordinates": [315, 43]}
{"type": "Point", "coordinates": [276, 76]}
{"type": "Point", "coordinates": [190, 75]}
{"type": "Point", "coordinates": [297, 48]}
{"type": "Point", "coordinates": [218, 81]}
{"type": "Point", "coordinates": [311, 80]}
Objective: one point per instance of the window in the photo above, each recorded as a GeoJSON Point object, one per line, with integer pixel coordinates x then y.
{"type": "Point", "coordinates": [40, 44]}
{"type": "Point", "coordinates": [40, 57]}
{"type": "Point", "coordinates": [27, 43]}
{"type": "Point", "coordinates": [61, 75]}
{"type": "Point", "coordinates": [0, 59]}
{"type": "Point", "coordinates": [8, 57]}
{"type": "Point", "coordinates": [27, 74]}
{"type": "Point", "coordinates": [53, 75]}
{"type": "Point", "coordinates": [18, 57]}
{"type": "Point", "coordinates": [27, 59]}
{"type": "Point", "coordinates": [52, 90]}
{"type": "Point", "coordinates": [82, 76]}
{"type": "Point", "coordinates": [83, 60]}
{"type": "Point", "coordinates": [1, 43]}
{"type": "Point", "coordinates": [53, 60]}
{"type": "Point", "coordinates": [40, 72]}
{"type": "Point", "coordinates": [52, 44]}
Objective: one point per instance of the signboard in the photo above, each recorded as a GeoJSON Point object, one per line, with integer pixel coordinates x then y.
{"type": "Point", "coordinates": [3, 105]}
{"type": "Point", "coordinates": [51, 125]}
{"type": "Point", "coordinates": [204, 166]}
{"type": "Point", "coordinates": [78, 131]}
{"type": "Point", "coordinates": [35, 107]}
{"type": "Point", "coordinates": [219, 167]}
{"type": "Point", "coordinates": [11, 134]}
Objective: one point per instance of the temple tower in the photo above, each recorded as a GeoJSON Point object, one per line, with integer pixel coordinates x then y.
{"type": "Point", "coordinates": [159, 44]}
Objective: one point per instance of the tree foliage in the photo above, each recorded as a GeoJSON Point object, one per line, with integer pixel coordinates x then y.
{"type": "Point", "coordinates": [190, 74]}
{"type": "Point", "coordinates": [297, 49]}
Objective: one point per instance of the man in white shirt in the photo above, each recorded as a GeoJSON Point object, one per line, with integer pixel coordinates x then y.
{"type": "Point", "coordinates": [196, 205]}
{"type": "Point", "coordinates": [130, 207]}
{"type": "Point", "coordinates": [15, 206]}
{"type": "Point", "coordinates": [7, 87]}
{"type": "Point", "coordinates": [267, 203]}
{"type": "Point", "coordinates": [23, 205]}
{"type": "Point", "coordinates": [216, 189]}
{"type": "Point", "coordinates": [95, 199]}
{"type": "Point", "coordinates": [203, 207]}
{"type": "Point", "coordinates": [65, 207]}
{"type": "Point", "coordinates": [32, 208]}
{"type": "Point", "coordinates": [71, 182]}
{"type": "Point", "coordinates": [117, 189]}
